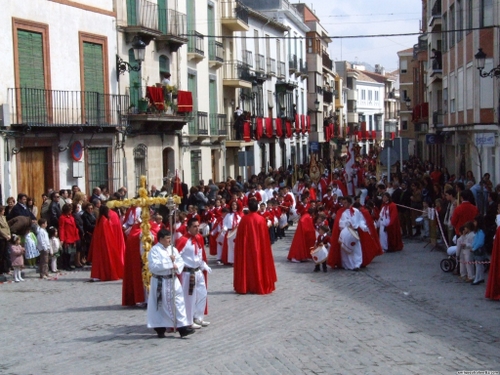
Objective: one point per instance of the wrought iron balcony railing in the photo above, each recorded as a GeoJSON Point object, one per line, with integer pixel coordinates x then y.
{"type": "Point", "coordinates": [248, 58]}
{"type": "Point", "coordinates": [327, 62]}
{"type": "Point", "coordinates": [281, 69]}
{"type": "Point", "coordinates": [144, 14]}
{"type": "Point", "coordinates": [199, 124]}
{"type": "Point", "coordinates": [260, 63]}
{"type": "Point", "coordinates": [271, 66]}
{"type": "Point", "coordinates": [215, 51]}
{"type": "Point", "coordinates": [172, 22]}
{"type": "Point", "coordinates": [236, 70]}
{"type": "Point", "coordinates": [234, 9]}
{"type": "Point", "coordinates": [57, 108]}
{"type": "Point", "coordinates": [303, 67]}
{"type": "Point", "coordinates": [195, 44]}
{"type": "Point", "coordinates": [217, 124]}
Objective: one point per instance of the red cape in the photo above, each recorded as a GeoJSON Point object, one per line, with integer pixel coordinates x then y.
{"type": "Point", "coordinates": [304, 239]}
{"type": "Point", "coordinates": [107, 249]}
{"type": "Point", "coordinates": [395, 241]}
{"type": "Point", "coordinates": [372, 247]}
{"type": "Point", "coordinates": [254, 270]}
{"type": "Point", "coordinates": [493, 284]}
{"type": "Point", "coordinates": [334, 260]}
{"type": "Point", "coordinates": [132, 287]}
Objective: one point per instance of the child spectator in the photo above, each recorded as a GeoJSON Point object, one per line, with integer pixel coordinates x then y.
{"type": "Point", "coordinates": [466, 240]}
{"type": "Point", "coordinates": [55, 248]}
{"type": "Point", "coordinates": [16, 257]}
{"type": "Point", "coordinates": [30, 246]}
{"type": "Point", "coordinates": [478, 250]}
{"type": "Point", "coordinates": [43, 246]}
{"type": "Point", "coordinates": [322, 240]}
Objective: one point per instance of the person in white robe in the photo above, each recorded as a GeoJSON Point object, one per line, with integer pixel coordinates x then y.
{"type": "Point", "coordinates": [191, 247]}
{"type": "Point", "coordinates": [166, 308]}
{"type": "Point", "coordinates": [350, 248]}
{"type": "Point", "coordinates": [230, 225]}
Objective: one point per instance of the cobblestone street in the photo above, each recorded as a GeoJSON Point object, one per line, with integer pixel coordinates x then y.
{"type": "Point", "coordinates": [401, 315]}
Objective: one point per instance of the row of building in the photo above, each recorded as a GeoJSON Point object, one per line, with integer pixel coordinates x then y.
{"type": "Point", "coordinates": [449, 93]}
{"type": "Point", "coordinates": [82, 100]}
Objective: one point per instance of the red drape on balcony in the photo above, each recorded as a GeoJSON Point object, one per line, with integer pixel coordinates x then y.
{"type": "Point", "coordinates": [288, 129]}
{"type": "Point", "coordinates": [297, 123]}
{"type": "Point", "coordinates": [328, 133]}
{"type": "Point", "coordinates": [374, 134]}
{"type": "Point", "coordinates": [269, 127]}
{"type": "Point", "coordinates": [155, 95]}
{"type": "Point", "coordinates": [279, 128]}
{"type": "Point", "coordinates": [332, 130]}
{"type": "Point", "coordinates": [303, 123]}
{"type": "Point", "coordinates": [425, 110]}
{"type": "Point", "coordinates": [246, 131]}
{"type": "Point", "coordinates": [308, 124]}
{"type": "Point", "coordinates": [363, 130]}
{"type": "Point", "coordinates": [393, 135]}
{"type": "Point", "coordinates": [184, 101]}
{"type": "Point", "coordinates": [259, 130]}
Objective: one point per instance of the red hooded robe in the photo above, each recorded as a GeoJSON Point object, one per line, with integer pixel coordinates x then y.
{"type": "Point", "coordinates": [304, 239]}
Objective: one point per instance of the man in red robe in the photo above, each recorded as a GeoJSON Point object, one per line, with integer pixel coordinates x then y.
{"type": "Point", "coordinates": [254, 270]}
{"type": "Point", "coordinates": [304, 239]}
{"type": "Point", "coordinates": [107, 248]}
{"type": "Point", "coordinates": [390, 228]}
{"type": "Point", "coordinates": [493, 284]}
{"type": "Point", "coordinates": [371, 239]}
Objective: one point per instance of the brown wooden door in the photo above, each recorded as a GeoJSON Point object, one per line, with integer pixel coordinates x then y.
{"type": "Point", "coordinates": [31, 173]}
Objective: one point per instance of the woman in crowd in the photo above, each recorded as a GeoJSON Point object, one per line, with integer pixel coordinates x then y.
{"type": "Point", "coordinates": [30, 203]}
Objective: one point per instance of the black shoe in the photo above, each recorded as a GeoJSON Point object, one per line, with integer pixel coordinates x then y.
{"type": "Point", "coordinates": [316, 269]}
{"type": "Point", "coordinates": [185, 331]}
{"type": "Point", "coordinates": [324, 267]}
{"type": "Point", "coordinates": [161, 332]}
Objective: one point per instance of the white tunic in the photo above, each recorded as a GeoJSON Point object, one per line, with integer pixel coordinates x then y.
{"type": "Point", "coordinates": [162, 315]}
{"type": "Point", "coordinates": [231, 222]}
{"type": "Point", "coordinates": [192, 255]}
{"type": "Point", "coordinates": [352, 217]}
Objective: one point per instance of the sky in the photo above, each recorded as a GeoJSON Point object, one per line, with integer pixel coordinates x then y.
{"type": "Point", "coordinates": [364, 17]}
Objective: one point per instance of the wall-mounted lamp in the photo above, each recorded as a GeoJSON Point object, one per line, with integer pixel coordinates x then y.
{"type": "Point", "coordinates": [316, 104]}
{"type": "Point", "coordinates": [139, 52]}
{"type": "Point", "coordinates": [481, 59]}
{"type": "Point", "coordinates": [408, 102]}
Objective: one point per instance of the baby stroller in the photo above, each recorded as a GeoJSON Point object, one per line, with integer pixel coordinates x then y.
{"type": "Point", "coordinates": [449, 264]}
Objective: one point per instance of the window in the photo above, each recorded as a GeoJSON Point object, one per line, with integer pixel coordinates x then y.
{"type": "Point", "coordinates": [460, 20]}
{"type": "Point", "coordinates": [445, 100]}
{"type": "Point", "coordinates": [460, 89]}
{"type": "Point", "coordinates": [140, 162]}
{"type": "Point", "coordinates": [370, 93]}
{"type": "Point", "coordinates": [452, 93]}
{"type": "Point", "coordinates": [444, 34]}
{"type": "Point", "coordinates": [452, 25]}
{"type": "Point", "coordinates": [93, 80]}
{"type": "Point", "coordinates": [164, 64]}
{"type": "Point", "coordinates": [486, 13]}
{"type": "Point", "coordinates": [470, 16]}
{"type": "Point", "coordinates": [404, 66]}
{"type": "Point", "coordinates": [98, 166]}
{"type": "Point", "coordinates": [195, 167]}
{"type": "Point", "coordinates": [363, 94]}
{"type": "Point", "coordinates": [404, 125]}
{"type": "Point", "coordinates": [376, 96]}
{"type": "Point", "coordinates": [469, 91]}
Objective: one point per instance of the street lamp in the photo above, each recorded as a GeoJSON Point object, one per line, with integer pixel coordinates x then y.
{"type": "Point", "coordinates": [316, 104]}
{"type": "Point", "coordinates": [139, 52]}
{"type": "Point", "coordinates": [480, 59]}
{"type": "Point", "coordinates": [408, 102]}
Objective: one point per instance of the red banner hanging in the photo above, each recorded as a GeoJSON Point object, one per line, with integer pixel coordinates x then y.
{"type": "Point", "coordinates": [308, 123]}
{"type": "Point", "coordinates": [288, 129]}
{"type": "Point", "coordinates": [297, 123]}
{"type": "Point", "coordinates": [269, 127]}
{"type": "Point", "coordinates": [374, 134]}
{"type": "Point", "coordinates": [246, 131]}
{"type": "Point", "coordinates": [303, 123]}
{"type": "Point", "coordinates": [328, 134]}
{"type": "Point", "coordinates": [332, 130]}
{"type": "Point", "coordinates": [279, 128]}
{"type": "Point", "coordinates": [259, 130]}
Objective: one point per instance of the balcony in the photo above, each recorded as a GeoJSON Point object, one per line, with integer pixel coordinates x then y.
{"type": "Point", "coordinates": [260, 63]}
{"type": "Point", "coordinates": [49, 109]}
{"type": "Point", "coordinates": [218, 125]}
{"type": "Point", "coordinates": [435, 18]}
{"type": "Point", "coordinates": [292, 64]}
{"type": "Point", "coordinates": [173, 26]}
{"type": "Point", "coordinates": [196, 47]}
{"type": "Point", "coordinates": [247, 58]}
{"type": "Point", "coordinates": [215, 53]}
{"type": "Point", "coordinates": [436, 67]}
{"type": "Point", "coordinates": [142, 20]}
{"type": "Point", "coordinates": [352, 95]}
{"type": "Point", "coordinates": [153, 117]}
{"type": "Point", "coordinates": [236, 75]}
{"type": "Point", "coordinates": [304, 72]}
{"type": "Point", "coordinates": [234, 16]}
{"type": "Point", "coordinates": [271, 67]}
{"type": "Point", "coordinates": [198, 126]}
{"type": "Point", "coordinates": [437, 119]}
{"type": "Point", "coordinates": [281, 70]}
{"type": "Point", "coordinates": [232, 140]}
{"type": "Point", "coordinates": [327, 95]}
{"type": "Point", "coordinates": [352, 118]}
{"type": "Point", "coordinates": [327, 62]}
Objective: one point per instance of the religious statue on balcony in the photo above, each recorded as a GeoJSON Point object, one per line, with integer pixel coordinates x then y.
{"type": "Point", "coordinates": [238, 123]}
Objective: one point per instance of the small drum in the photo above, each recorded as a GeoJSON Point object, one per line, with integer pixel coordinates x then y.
{"type": "Point", "coordinates": [319, 254]}
{"type": "Point", "coordinates": [204, 229]}
{"type": "Point", "coordinates": [348, 239]}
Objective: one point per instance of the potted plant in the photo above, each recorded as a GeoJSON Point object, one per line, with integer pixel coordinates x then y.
{"type": "Point", "coordinates": [142, 105]}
